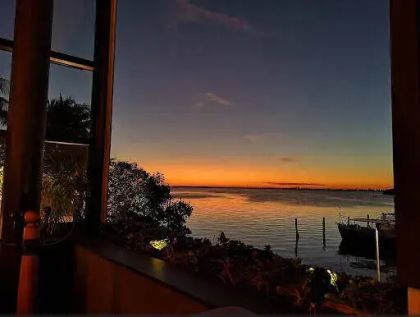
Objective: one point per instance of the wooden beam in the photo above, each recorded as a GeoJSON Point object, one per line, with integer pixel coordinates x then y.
{"type": "Point", "coordinates": [405, 69]}
{"type": "Point", "coordinates": [102, 94]}
{"type": "Point", "coordinates": [56, 57]}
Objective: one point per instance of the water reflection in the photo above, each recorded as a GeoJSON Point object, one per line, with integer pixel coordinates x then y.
{"type": "Point", "coordinates": [261, 217]}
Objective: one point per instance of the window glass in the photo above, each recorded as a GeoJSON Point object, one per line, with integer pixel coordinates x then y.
{"type": "Point", "coordinates": [68, 115]}
{"type": "Point", "coordinates": [5, 66]}
{"type": "Point", "coordinates": [64, 186]}
{"type": "Point", "coordinates": [74, 27]}
{"type": "Point", "coordinates": [7, 18]}
{"type": "Point", "coordinates": [64, 180]}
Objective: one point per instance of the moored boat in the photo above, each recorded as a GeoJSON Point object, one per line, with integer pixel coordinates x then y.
{"type": "Point", "coordinates": [360, 232]}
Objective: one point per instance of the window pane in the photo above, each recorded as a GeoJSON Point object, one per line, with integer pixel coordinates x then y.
{"type": "Point", "coordinates": [5, 69]}
{"type": "Point", "coordinates": [5, 66]}
{"type": "Point", "coordinates": [7, 18]}
{"type": "Point", "coordinates": [64, 180]}
{"type": "Point", "coordinates": [64, 186]}
{"type": "Point", "coordinates": [74, 27]}
{"type": "Point", "coordinates": [68, 118]}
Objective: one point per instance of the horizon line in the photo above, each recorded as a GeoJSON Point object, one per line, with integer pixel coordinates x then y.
{"type": "Point", "coordinates": [282, 188]}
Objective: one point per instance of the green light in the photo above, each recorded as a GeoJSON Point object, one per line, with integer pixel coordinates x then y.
{"type": "Point", "coordinates": [159, 244]}
{"type": "Point", "coordinates": [334, 278]}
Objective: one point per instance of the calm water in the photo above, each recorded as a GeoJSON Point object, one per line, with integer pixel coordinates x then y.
{"type": "Point", "coordinates": [261, 217]}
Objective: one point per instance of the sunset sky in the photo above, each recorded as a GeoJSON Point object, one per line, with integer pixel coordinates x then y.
{"type": "Point", "coordinates": [288, 93]}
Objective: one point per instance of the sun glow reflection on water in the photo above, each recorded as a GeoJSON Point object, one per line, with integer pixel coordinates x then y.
{"type": "Point", "coordinates": [261, 217]}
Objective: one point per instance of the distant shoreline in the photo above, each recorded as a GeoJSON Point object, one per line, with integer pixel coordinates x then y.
{"type": "Point", "coordinates": [280, 188]}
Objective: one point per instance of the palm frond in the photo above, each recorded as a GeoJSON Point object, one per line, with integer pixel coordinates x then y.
{"type": "Point", "coordinates": [4, 86]}
{"type": "Point", "coordinates": [68, 120]}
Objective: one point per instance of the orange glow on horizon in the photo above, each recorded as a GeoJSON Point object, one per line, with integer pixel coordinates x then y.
{"type": "Point", "coordinates": [288, 184]}
{"type": "Point", "coordinates": [232, 174]}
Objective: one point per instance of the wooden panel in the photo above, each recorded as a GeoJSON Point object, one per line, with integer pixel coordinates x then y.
{"type": "Point", "coordinates": [94, 282]}
{"type": "Point", "coordinates": [102, 286]}
{"type": "Point", "coordinates": [135, 292]}
{"type": "Point", "coordinates": [413, 301]}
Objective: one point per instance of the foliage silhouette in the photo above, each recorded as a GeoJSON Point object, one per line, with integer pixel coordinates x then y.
{"type": "Point", "coordinates": [64, 184]}
{"type": "Point", "coordinates": [137, 199]}
{"type": "Point", "coordinates": [141, 202]}
{"type": "Point", "coordinates": [4, 100]}
{"type": "Point", "coordinates": [67, 120]}
{"type": "Point", "coordinates": [64, 180]}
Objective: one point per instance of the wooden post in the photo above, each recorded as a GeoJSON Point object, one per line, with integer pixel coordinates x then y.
{"type": "Point", "coordinates": [405, 83]}
{"type": "Point", "coordinates": [378, 259]}
{"type": "Point", "coordinates": [297, 237]}
{"type": "Point", "coordinates": [29, 267]}
{"type": "Point", "coordinates": [27, 115]}
{"type": "Point", "coordinates": [24, 141]}
{"type": "Point", "coordinates": [102, 94]}
{"type": "Point", "coordinates": [324, 243]}
{"type": "Point", "coordinates": [368, 224]}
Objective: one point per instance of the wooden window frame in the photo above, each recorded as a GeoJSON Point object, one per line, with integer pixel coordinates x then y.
{"type": "Point", "coordinates": [102, 68]}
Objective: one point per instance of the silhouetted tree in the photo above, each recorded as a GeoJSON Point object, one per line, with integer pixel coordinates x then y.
{"type": "Point", "coordinates": [64, 179]}
{"type": "Point", "coordinates": [64, 184]}
{"type": "Point", "coordinates": [139, 201]}
{"type": "Point", "coordinates": [4, 100]}
{"type": "Point", "coordinates": [68, 121]}
{"type": "Point", "coordinates": [4, 104]}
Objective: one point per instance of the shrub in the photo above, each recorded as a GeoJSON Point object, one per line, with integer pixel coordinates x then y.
{"type": "Point", "coordinates": [140, 202]}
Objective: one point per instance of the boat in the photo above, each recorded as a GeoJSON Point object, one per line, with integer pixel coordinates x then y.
{"type": "Point", "coordinates": [358, 234]}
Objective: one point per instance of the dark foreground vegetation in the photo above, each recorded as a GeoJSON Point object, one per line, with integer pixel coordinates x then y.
{"type": "Point", "coordinates": [389, 191]}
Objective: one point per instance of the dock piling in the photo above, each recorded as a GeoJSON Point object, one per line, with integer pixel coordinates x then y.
{"type": "Point", "coordinates": [378, 260]}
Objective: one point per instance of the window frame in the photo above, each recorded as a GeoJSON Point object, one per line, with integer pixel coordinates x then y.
{"type": "Point", "coordinates": [56, 57]}
{"type": "Point", "coordinates": [102, 69]}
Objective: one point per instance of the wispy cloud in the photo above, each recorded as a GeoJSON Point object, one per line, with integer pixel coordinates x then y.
{"type": "Point", "coordinates": [288, 159]}
{"type": "Point", "coordinates": [217, 99]}
{"type": "Point", "coordinates": [263, 137]}
{"type": "Point", "coordinates": [211, 99]}
{"type": "Point", "coordinates": [189, 12]}
{"type": "Point", "coordinates": [285, 184]}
